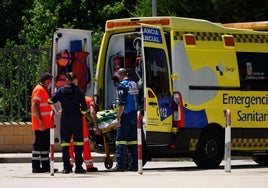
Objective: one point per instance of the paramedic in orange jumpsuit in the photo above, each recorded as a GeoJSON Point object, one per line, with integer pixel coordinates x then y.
{"type": "Point", "coordinates": [87, 152]}
{"type": "Point", "coordinates": [41, 124]}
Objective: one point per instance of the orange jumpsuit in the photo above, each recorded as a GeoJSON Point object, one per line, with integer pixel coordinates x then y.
{"type": "Point", "coordinates": [40, 150]}
{"type": "Point", "coordinates": [86, 152]}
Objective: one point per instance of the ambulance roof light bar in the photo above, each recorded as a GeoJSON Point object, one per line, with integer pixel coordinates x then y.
{"type": "Point", "coordinates": [136, 22]}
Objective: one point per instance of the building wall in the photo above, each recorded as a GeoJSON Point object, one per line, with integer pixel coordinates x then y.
{"type": "Point", "coordinates": [17, 137]}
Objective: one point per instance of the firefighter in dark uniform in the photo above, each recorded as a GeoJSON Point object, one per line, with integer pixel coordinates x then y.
{"type": "Point", "coordinates": [73, 106]}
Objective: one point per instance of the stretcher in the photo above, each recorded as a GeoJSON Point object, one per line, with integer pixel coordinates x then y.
{"type": "Point", "coordinates": [107, 123]}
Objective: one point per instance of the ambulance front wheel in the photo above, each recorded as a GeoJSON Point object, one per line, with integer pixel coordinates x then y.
{"type": "Point", "coordinates": [108, 162]}
{"type": "Point", "coordinates": [210, 148]}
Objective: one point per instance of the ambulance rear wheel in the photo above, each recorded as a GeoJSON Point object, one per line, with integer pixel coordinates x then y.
{"type": "Point", "coordinates": [261, 159]}
{"type": "Point", "coordinates": [108, 162]}
{"type": "Point", "coordinates": [210, 149]}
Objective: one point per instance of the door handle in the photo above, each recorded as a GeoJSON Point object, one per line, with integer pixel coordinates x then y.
{"type": "Point", "coordinates": [153, 103]}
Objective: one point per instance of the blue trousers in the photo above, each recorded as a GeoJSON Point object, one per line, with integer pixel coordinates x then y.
{"type": "Point", "coordinates": [126, 142]}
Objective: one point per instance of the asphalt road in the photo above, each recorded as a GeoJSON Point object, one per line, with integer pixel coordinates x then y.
{"type": "Point", "coordinates": [244, 174]}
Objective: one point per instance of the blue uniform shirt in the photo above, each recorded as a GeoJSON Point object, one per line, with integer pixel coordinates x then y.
{"type": "Point", "coordinates": [72, 99]}
{"type": "Point", "coordinates": [128, 95]}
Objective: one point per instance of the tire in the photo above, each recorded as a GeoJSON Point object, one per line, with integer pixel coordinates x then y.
{"type": "Point", "coordinates": [210, 149]}
{"type": "Point", "coordinates": [261, 159]}
{"type": "Point", "coordinates": [108, 162]}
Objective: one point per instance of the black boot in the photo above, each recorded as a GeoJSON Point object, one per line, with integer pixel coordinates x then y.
{"type": "Point", "coordinates": [79, 160]}
{"type": "Point", "coordinates": [36, 166]}
{"type": "Point", "coordinates": [45, 161]}
{"type": "Point", "coordinates": [66, 160]}
{"type": "Point", "coordinates": [80, 170]}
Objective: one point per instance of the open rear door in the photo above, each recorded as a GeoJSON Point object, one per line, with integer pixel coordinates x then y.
{"type": "Point", "coordinates": [157, 85]}
{"type": "Point", "coordinates": [72, 51]}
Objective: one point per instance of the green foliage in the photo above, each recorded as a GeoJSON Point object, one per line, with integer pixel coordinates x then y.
{"type": "Point", "coordinates": [97, 37]}
{"type": "Point", "coordinates": [239, 10]}
{"type": "Point", "coordinates": [39, 23]}
{"type": "Point", "coordinates": [112, 9]}
{"type": "Point", "coordinates": [143, 8]}
{"type": "Point", "coordinates": [10, 19]}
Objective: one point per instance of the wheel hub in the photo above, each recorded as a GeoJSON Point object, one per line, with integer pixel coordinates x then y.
{"type": "Point", "coordinates": [211, 149]}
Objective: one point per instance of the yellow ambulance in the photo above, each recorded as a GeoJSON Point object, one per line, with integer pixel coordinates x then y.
{"type": "Point", "coordinates": [190, 71]}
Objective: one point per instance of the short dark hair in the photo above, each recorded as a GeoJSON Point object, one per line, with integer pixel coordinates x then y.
{"type": "Point", "coordinates": [46, 76]}
{"type": "Point", "coordinates": [71, 76]}
{"type": "Point", "coordinates": [123, 71]}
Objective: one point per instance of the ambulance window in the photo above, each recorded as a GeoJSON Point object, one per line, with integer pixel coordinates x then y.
{"type": "Point", "coordinates": [157, 71]}
{"type": "Point", "coordinates": [253, 70]}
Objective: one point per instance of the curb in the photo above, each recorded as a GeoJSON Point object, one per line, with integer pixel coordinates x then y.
{"type": "Point", "coordinates": [27, 157]}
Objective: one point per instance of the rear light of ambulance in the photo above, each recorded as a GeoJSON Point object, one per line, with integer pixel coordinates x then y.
{"type": "Point", "coordinates": [190, 39]}
{"type": "Point", "coordinates": [178, 113]}
{"type": "Point", "coordinates": [228, 40]}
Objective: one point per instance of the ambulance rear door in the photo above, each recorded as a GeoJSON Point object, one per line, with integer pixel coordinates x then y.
{"type": "Point", "coordinates": [157, 86]}
{"type": "Point", "coordinates": [74, 42]}
{"type": "Point", "coordinates": [67, 43]}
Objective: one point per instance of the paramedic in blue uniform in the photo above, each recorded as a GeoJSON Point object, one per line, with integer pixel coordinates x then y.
{"type": "Point", "coordinates": [73, 106]}
{"type": "Point", "coordinates": [126, 135]}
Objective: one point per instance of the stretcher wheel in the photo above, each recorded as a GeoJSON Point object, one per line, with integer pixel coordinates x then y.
{"type": "Point", "coordinates": [108, 162]}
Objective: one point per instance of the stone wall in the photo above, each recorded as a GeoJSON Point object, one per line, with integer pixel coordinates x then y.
{"type": "Point", "coordinates": [17, 137]}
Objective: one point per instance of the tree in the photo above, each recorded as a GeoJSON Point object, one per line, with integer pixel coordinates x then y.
{"type": "Point", "coordinates": [143, 8]}
{"type": "Point", "coordinates": [240, 10]}
{"type": "Point", "coordinates": [10, 19]}
{"type": "Point", "coordinates": [44, 16]}
{"type": "Point", "coordinates": [213, 10]}
{"type": "Point", "coordinates": [39, 23]}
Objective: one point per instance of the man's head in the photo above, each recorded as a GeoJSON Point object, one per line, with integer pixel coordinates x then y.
{"type": "Point", "coordinates": [72, 78]}
{"type": "Point", "coordinates": [46, 79]}
{"type": "Point", "coordinates": [122, 73]}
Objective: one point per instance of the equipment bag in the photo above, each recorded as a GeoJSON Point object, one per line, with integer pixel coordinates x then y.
{"type": "Point", "coordinates": [61, 80]}
{"type": "Point", "coordinates": [63, 58]}
{"type": "Point", "coordinates": [79, 67]}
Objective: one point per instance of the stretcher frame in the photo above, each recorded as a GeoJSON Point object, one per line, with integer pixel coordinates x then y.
{"type": "Point", "coordinates": [108, 161]}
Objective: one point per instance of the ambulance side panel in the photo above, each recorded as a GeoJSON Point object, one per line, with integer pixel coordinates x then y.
{"type": "Point", "coordinates": [213, 77]}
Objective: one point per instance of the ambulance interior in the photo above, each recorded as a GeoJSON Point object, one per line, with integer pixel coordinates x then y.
{"type": "Point", "coordinates": [125, 50]}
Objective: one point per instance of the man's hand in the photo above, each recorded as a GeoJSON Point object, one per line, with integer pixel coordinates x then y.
{"type": "Point", "coordinates": [42, 126]}
{"type": "Point", "coordinates": [118, 122]}
{"type": "Point", "coordinates": [97, 130]}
